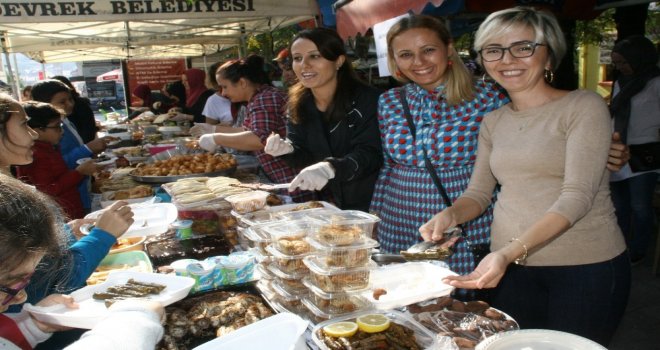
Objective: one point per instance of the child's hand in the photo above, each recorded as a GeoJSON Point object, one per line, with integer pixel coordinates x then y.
{"type": "Point", "coordinates": [116, 219]}
{"type": "Point", "coordinates": [88, 168]}
{"type": "Point", "coordinates": [55, 299]}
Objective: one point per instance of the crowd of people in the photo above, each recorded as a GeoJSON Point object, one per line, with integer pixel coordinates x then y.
{"type": "Point", "coordinates": [441, 150]}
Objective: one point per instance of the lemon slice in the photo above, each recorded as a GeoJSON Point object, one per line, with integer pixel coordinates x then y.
{"type": "Point", "coordinates": [373, 323]}
{"type": "Point", "coordinates": [341, 329]}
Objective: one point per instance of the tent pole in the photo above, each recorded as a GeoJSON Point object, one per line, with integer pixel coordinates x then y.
{"type": "Point", "coordinates": [10, 71]}
{"type": "Point", "coordinates": [242, 48]}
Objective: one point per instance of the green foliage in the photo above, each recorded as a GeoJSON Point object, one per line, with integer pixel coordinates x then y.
{"type": "Point", "coordinates": [266, 44]}
{"type": "Point", "coordinates": [594, 31]}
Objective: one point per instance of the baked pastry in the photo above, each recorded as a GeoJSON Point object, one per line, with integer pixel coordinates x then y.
{"type": "Point", "coordinates": [339, 234]}
{"type": "Point", "coordinates": [347, 258]}
{"type": "Point", "coordinates": [293, 245]}
{"type": "Point", "coordinates": [342, 281]}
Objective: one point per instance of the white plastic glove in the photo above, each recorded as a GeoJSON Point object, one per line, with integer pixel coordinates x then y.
{"type": "Point", "coordinates": [207, 142]}
{"type": "Point", "coordinates": [313, 178]}
{"type": "Point", "coordinates": [200, 129]}
{"type": "Point", "coordinates": [276, 146]}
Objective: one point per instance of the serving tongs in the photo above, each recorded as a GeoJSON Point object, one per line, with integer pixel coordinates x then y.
{"type": "Point", "coordinates": [263, 187]}
{"type": "Point", "coordinates": [432, 250]}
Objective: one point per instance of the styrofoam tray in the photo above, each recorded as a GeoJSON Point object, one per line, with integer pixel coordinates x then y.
{"type": "Point", "coordinates": [407, 283]}
{"type": "Point", "coordinates": [92, 311]}
{"type": "Point", "coordinates": [150, 219]}
{"type": "Point", "coordinates": [283, 331]}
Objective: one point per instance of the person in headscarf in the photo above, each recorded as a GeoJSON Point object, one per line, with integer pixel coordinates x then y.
{"type": "Point", "coordinates": [634, 107]}
{"type": "Point", "coordinates": [197, 93]}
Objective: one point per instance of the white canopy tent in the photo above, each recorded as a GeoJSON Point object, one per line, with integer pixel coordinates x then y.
{"type": "Point", "coordinates": [65, 31]}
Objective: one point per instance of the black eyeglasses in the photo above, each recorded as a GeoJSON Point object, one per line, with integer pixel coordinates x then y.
{"type": "Point", "coordinates": [14, 290]}
{"type": "Point", "coordinates": [519, 50]}
{"type": "Point", "coordinates": [60, 126]}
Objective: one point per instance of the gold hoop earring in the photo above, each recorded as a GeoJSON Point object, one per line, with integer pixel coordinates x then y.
{"type": "Point", "coordinates": [549, 76]}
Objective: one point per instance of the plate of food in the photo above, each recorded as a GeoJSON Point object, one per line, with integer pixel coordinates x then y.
{"type": "Point", "coordinates": [101, 160]}
{"type": "Point", "coordinates": [94, 300]}
{"type": "Point", "coordinates": [184, 166]}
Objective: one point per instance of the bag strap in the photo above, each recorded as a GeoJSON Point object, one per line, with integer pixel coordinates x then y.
{"type": "Point", "coordinates": [427, 161]}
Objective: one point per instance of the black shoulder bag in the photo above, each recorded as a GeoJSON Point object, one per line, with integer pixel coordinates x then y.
{"type": "Point", "coordinates": [478, 250]}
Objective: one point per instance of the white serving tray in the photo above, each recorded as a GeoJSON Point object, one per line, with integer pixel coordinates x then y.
{"type": "Point", "coordinates": [537, 339]}
{"type": "Point", "coordinates": [92, 311]}
{"type": "Point", "coordinates": [150, 219]}
{"type": "Point", "coordinates": [407, 283]}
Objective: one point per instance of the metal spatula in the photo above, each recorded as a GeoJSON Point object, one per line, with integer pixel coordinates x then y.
{"type": "Point", "coordinates": [432, 250]}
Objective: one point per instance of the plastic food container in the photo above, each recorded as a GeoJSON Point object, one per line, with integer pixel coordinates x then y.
{"type": "Point", "coordinates": [286, 211]}
{"type": "Point", "coordinates": [422, 336]}
{"type": "Point", "coordinates": [289, 236]}
{"type": "Point", "coordinates": [292, 283]}
{"type": "Point", "coordinates": [338, 279]}
{"type": "Point", "coordinates": [183, 229]}
{"type": "Point", "coordinates": [257, 240]}
{"type": "Point", "coordinates": [236, 268]}
{"type": "Point", "coordinates": [291, 301]}
{"type": "Point", "coordinates": [290, 264]}
{"type": "Point", "coordinates": [203, 272]}
{"type": "Point", "coordinates": [211, 219]}
{"type": "Point", "coordinates": [335, 303]}
{"type": "Point", "coordinates": [354, 255]}
{"type": "Point", "coordinates": [248, 202]}
{"type": "Point", "coordinates": [128, 244]}
{"type": "Point", "coordinates": [343, 228]}
{"type": "Point", "coordinates": [130, 261]}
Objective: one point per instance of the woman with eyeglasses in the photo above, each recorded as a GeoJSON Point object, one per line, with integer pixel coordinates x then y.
{"type": "Point", "coordinates": [31, 229]}
{"type": "Point", "coordinates": [558, 257]}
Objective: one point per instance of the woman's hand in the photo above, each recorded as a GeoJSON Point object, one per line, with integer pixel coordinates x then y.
{"type": "Point", "coordinates": [55, 299]}
{"type": "Point", "coordinates": [116, 219]}
{"type": "Point", "coordinates": [619, 154]}
{"type": "Point", "coordinates": [200, 129]}
{"type": "Point", "coordinates": [434, 229]}
{"type": "Point", "coordinates": [277, 146]}
{"type": "Point", "coordinates": [487, 275]}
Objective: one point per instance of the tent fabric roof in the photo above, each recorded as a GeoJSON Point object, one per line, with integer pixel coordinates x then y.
{"type": "Point", "coordinates": [60, 31]}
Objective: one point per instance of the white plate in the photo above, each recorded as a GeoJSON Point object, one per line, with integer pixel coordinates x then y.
{"type": "Point", "coordinates": [281, 331]}
{"type": "Point", "coordinates": [102, 163]}
{"type": "Point", "coordinates": [92, 311]}
{"type": "Point", "coordinates": [537, 339]}
{"type": "Point", "coordinates": [150, 219]}
{"type": "Point", "coordinates": [407, 283]}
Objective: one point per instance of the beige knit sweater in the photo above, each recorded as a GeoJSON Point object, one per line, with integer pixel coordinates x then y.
{"type": "Point", "coordinates": [550, 158]}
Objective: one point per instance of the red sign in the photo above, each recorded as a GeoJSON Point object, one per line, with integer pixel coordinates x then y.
{"type": "Point", "coordinates": [155, 73]}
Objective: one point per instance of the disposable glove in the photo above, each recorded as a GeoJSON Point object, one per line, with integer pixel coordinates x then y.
{"type": "Point", "coordinates": [276, 146]}
{"type": "Point", "coordinates": [206, 142]}
{"type": "Point", "coordinates": [200, 129]}
{"type": "Point", "coordinates": [313, 178]}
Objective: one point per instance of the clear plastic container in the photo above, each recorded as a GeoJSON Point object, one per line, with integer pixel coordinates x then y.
{"type": "Point", "coordinates": [424, 338]}
{"type": "Point", "coordinates": [343, 228]}
{"type": "Point", "coordinates": [282, 212]}
{"type": "Point", "coordinates": [290, 264]}
{"type": "Point", "coordinates": [263, 272]}
{"type": "Point", "coordinates": [354, 255]}
{"type": "Point", "coordinates": [289, 236]}
{"type": "Point", "coordinates": [248, 202]}
{"type": "Point", "coordinates": [257, 239]}
{"type": "Point", "coordinates": [293, 283]}
{"type": "Point", "coordinates": [335, 303]}
{"type": "Point", "coordinates": [291, 301]}
{"type": "Point", "coordinates": [338, 279]}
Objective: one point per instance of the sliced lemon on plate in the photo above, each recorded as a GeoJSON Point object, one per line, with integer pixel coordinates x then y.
{"type": "Point", "coordinates": [373, 323]}
{"type": "Point", "coordinates": [341, 329]}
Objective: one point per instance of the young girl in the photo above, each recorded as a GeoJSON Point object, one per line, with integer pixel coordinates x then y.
{"type": "Point", "coordinates": [48, 171]}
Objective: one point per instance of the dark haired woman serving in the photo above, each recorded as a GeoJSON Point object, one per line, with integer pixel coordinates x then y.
{"type": "Point", "coordinates": [245, 81]}
{"type": "Point", "coordinates": [333, 129]}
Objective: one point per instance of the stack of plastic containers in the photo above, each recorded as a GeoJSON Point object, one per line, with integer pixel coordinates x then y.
{"type": "Point", "coordinates": [341, 263]}
{"type": "Point", "coordinates": [288, 248]}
